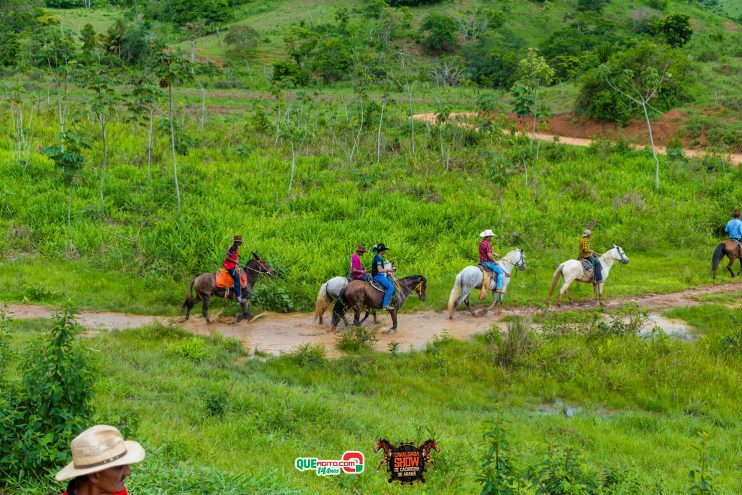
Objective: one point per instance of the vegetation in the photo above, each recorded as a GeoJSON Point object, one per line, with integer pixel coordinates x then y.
{"type": "Point", "coordinates": [581, 405]}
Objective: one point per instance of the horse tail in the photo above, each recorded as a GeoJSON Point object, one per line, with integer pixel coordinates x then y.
{"type": "Point", "coordinates": [555, 279]}
{"type": "Point", "coordinates": [454, 295]}
{"type": "Point", "coordinates": [323, 302]}
{"type": "Point", "coordinates": [187, 302]}
{"type": "Point", "coordinates": [716, 258]}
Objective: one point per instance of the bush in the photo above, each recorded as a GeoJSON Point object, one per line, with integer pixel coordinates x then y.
{"type": "Point", "coordinates": [285, 71]}
{"type": "Point", "coordinates": [356, 339]}
{"type": "Point", "coordinates": [192, 348]}
{"type": "Point", "coordinates": [50, 405]}
{"type": "Point", "coordinates": [311, 355]}
{"type": "Point", "coordinates": [440, 32]}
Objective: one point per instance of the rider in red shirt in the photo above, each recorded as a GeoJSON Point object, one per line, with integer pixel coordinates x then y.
{"type": "Point", "coordinates": [230, 264]}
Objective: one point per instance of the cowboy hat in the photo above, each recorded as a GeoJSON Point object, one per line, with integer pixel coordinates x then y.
{"type": "Point", "coordinates": [237, 238]}
{"type": "Point", "coordinates": [380, 247]}
{"type": "Point", "coordinates": [97, 449]}
{"type": "Point", "coordinates": [487, 233]}
{"type": "Point", "coordinates": [586, 233]}
{"type": "Point", "coordinates": [360, 248]}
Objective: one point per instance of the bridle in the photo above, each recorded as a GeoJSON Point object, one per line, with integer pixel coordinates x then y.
{"type": "Point", "coordinates": [261, 263]}
{"type": "Point", "coordinates": [417, 289]}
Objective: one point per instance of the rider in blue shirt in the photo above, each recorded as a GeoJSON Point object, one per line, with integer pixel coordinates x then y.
{"type": "Point", "coordinates": [378, 272]}
{"type": "Point", "coordinates": [734, 227]}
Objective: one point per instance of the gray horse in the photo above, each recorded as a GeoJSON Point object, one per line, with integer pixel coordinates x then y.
{"type": "Point", "coordinates": [471, 278]}
{"type": "Point", "coordinates": [205, 286]}
{"type": "Point", "coordinates": [328, 294]}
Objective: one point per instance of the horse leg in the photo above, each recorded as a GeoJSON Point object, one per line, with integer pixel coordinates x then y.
{"type": "Point", "coordinates": [468, 306]}
{"type": "Point", "coordinates": [562, 291]}
{"type": "Point", "coordinates": [373, 311]}
{"type": "Point", "coordinates": [729, 266]}
{"type": "Point", "coordinates": [740, 267]}
{"type": "Point", "coordinates": [205, 299]}
{"type": "Point", "coordinates": [394, 321]}
{"type": "Point", "coordinates": [357, 316]}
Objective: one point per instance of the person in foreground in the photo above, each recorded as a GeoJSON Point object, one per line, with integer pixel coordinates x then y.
{"type": "Point", "coordinates": [100, 462]}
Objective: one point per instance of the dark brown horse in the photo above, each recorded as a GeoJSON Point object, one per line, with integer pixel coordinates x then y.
{"type": "Point", "coordinates": [205, 286]}
{"type": "Point", "coordinates": [359, 295]}
{"type": "Point", "coordinates": [732, 250]}
{"type": "Point", "coordinates": [426, 447]}
{"type": "Point", "coordinates": [383, 443]}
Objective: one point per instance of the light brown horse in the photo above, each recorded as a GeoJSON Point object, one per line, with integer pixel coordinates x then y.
{"type": "Point", "coordinates": [205, 286]}
{"type": "Point", "coordinates": [359, 295]}
{"type": "Point", "coordinates": [732, 250]}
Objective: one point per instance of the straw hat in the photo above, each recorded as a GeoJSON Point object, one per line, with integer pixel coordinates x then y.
{"type": "Point", "coordinates": [586, 233]}
{"type": "Point", "coordinates": [97, 449]}
{"type": "Point", "coordinates": [237, 238]}
{"type": "Point", "coordinates": [360, 248]}
{"type": "Point", "coordinates": [487, 233]}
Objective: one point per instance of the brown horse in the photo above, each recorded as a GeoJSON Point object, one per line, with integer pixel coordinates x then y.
{"type": "Point", "coordinates": [359, 295]}
{"type": "Point", "coordinates": [383, 443]}
{"type": "Point", "coordinates": [732, 250]}
{"type": "Point", "coordinates": [205, 285]}
{"type": "Point", "coordinates": [426, 447]}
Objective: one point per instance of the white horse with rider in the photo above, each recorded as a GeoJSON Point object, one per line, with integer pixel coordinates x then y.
{"type": "Point", "coordinates": [572, 270]}
{"type": "Point", "coordinates": [472, 277]}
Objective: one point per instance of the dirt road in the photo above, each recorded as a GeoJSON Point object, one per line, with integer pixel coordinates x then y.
{"type": "Point", "coordinates": [736, 159]}
{"type": "Point", "coordinates": [277, 333]}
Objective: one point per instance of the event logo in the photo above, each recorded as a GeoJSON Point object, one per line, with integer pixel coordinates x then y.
{"type": "Point", "coordinates": [351, 462]}
{"type": "Point", "coordinates": [406, 463]}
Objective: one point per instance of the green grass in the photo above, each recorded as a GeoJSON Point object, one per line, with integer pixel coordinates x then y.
{"type": "Point", "coordinates": [632, 396]}
{"type": "Point", "coordinates": [100, 18]}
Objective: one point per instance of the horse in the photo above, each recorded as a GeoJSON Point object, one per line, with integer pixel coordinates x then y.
{"type": "Point", "coordinates": [359, 294]}
{"type": "Point", "coordinates": [383, 443]}
{"type": "Point", "coordinates": [732, 250]}
{"type": "Point", "coordinates": [572, 270]}
{"type": "Point", "coordinates": [471, 278]}
{"type": "Point", "coordinates": [205, 285]}
{"type": "Point", "coordinates": [426, 447]}
{"type": "Point", "coordinates": [328, 293]}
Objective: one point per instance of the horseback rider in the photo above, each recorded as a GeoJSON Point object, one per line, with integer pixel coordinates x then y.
{"type": "Point", "coordinates": [379, 274]}
{"type": "Point", "coordinates": [734, 227]}
{"type": "Point", "coordinates": [588, 254]}
{"type": "Point", "coordinates": [488, 259]}
{"type": "Point", "coordinates": [357, 272]}
{"type": "Point", "coordinates": [231, 261]}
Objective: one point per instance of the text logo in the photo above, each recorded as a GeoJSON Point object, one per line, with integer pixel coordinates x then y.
{"type": "Point", "coordinates": [351, 462]}
{"type": "Point", "coordinates": [406, 463]}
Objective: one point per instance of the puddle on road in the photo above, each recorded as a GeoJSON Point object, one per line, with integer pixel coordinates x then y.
{"type": "Point", "coordinates": [671, 326]}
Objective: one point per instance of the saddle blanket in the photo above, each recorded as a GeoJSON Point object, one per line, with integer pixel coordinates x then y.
{"type": "Point", "coordinates": [588, 268]}
{"type": "Point", "coordinates": [225, 281]}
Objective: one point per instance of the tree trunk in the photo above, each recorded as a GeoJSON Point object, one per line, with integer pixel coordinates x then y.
{"type": "Point", "coordinates": [651, 141]}
{"type": "Point", "coordinates": [293, 167]}
{"type": "Point", "coordinates": [149, 144]}
{"type": "Point", "coordinates": [412, 121]}
{"type": "Point", "coordinates": [203, 107]}
{"type": "Point", "coordinates": [172, 144]}
{"type": "Point", "coordinates": [104, 165]}
{"type": "Point", "coordinates": [378, 135]}
{"type": "Point", "coordinates": [358, 137]}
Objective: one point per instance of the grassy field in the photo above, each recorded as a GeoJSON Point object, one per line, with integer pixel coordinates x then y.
{"type": "Point", "coordinates": [205, 413]}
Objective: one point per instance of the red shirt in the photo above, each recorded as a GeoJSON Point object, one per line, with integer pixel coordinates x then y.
{"type": "Point", "coordinates": [231, 253]}
{"type": "Point", "coordinates": [484, 248]}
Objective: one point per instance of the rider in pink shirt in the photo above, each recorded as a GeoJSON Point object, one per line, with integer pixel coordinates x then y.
{"type": "Point", "coordinates": [357, 272]}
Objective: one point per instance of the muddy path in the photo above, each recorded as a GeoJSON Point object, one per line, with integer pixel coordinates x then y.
{"type": "Point", "coordinates": [458, 118]}
{"type": "Point", "coordinates": [277, 333]}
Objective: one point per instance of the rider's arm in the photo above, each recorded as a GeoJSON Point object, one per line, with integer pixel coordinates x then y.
{"type": "Point", "coordinates": [230, 253]}
{"type": "Point", "coordinates": [492, 256]}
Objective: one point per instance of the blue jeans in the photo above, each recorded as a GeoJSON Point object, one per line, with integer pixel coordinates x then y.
{"type": "Point", "coordinates": [498, 271]}
{"type": "Point", "coordinates": [236, 277]}
{"type": "Point", "coordinates": [388, 285]}
{"type": "Point", "coordinates": [596, 264]}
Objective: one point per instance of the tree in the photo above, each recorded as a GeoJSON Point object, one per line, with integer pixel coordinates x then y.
{"type": "Point", "coordinates": [332, 59]}
{"type": "Point", "coordinates": [640, 89]}
{"type": "Point", "coordinates": [439, 32]}
{"type": "Point", "coordinates": [194, 30]}
{"type": "Point", "coordinates": [591, 5]}
{"type": "Point", "coordinates": [285, 71]}
{"type": "Point", "coordinates": [534, 72]}
{"type": "Point", "coordinates": [101, 80]}
{"type": "Point", "coordinates": [242, 40]}
{"type": "Point", "coordinates": [677, 29]}
{"type": "Point", "coordinates": [143, 101]}
{"type": "Point", "coordinates": [89, 38]}
{"type": "Point", "coordinates": [212, 12]}
{"type": "Point", "coordinates": [172, 69]}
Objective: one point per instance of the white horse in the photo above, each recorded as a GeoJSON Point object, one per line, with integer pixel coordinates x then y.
{"type": "Point", "coordinates": [572, 270]}
{"type": "Point", "coordinates": [471, 278]}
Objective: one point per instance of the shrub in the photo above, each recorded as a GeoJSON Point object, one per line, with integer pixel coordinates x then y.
{"type": "Point", "coordinates": [285, 71]}
{"type": "Point", "coordinates": [50, 405]}
{"type": "Point", "coordinates": [509, 347]}
{"type": "Point", "coordinates": [192, 348]}
{"type": "Point", "coordinates": [439, 32]}
{"type": "Point", "coordinates": [356, 339]}
{"type": "Point", "coordinates": [311, 355]}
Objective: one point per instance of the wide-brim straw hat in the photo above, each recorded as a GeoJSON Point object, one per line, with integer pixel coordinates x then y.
{"type": "Point", "coordinates": [97, 449]}
{"type": "Point", "coordinates": [487, 233]}
{"type": "Point", "coordinates": [586, 233]}
{"type": "Point", "coordinates": [237, 238]}
{"type": "Point", "coordinates": [360, 248]}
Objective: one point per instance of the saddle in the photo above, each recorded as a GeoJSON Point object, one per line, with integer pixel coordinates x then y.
{"type": "Point", "coordinates": [588, 269]}
{"type": "Point", "coordinates": [381, 289]}
{"type": "Point", "coordinates": [225, 281]}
